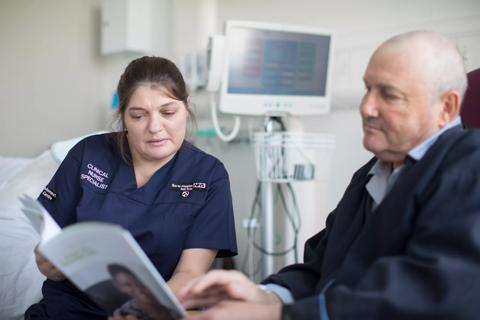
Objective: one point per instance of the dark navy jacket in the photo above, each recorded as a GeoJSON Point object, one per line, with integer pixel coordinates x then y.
{"type": "Point", "coordinates": [416, 256]}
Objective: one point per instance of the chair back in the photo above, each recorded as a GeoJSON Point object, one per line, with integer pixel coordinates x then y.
{"type": "Point", "coordinates": [470, 111]}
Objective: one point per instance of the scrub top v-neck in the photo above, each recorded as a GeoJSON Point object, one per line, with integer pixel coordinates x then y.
{"type": "Point", "coordinates": [185, 204]}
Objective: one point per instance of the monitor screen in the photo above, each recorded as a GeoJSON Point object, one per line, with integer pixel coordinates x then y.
{"type": "Point", "coordinates": [275, 69]}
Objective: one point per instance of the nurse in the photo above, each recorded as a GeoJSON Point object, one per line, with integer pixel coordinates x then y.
{"type": "Point", "coordinates": [174, 198]}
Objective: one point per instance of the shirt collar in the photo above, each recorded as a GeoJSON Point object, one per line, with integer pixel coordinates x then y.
{"type": "Point", "coordinates": [420, 149]}
{"type": "Point", "coordinates": [378, 184]}
{"type": "Point", "coordinates": [383, 178]}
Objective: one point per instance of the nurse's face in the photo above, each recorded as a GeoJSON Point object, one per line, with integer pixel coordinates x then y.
{"type": "Point", "coordinates": [156, 125]}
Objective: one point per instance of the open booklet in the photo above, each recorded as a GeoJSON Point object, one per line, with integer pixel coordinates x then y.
{"type": "Point", "coordinates": [105, 262]}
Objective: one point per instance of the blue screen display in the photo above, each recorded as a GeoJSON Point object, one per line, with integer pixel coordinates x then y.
{"type": "Point", "coordinates": [272, 62]}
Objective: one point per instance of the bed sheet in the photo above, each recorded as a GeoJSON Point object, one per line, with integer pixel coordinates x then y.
{"type": "Point", "coordinates": [20, 280]}
{"type": "Point", "coordinates": [10, 166]}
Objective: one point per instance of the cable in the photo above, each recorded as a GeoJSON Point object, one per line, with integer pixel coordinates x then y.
{"type": "Point", "coordinates": [216, 126]}
{"type": "Point", "coordinates": [278, 120]}
{"type": "Point", "coordinates": [294, 224]}
{"type": "Point", "coordinates": [298, 216]}
{"type": "Point", "coordinates": [249, 254]}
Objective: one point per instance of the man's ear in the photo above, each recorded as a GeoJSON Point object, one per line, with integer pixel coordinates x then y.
{"type": "Point", "coordinates": [450, 102]}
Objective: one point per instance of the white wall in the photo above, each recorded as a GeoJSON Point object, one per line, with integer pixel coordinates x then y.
{"type": "Point", "coordinates": [49, 73]}
{"type": "Point", "coordinates": [54, 84]}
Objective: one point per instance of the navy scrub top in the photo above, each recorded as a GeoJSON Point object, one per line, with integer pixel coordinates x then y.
{"type": "Point", "coordinates": [185, 204]}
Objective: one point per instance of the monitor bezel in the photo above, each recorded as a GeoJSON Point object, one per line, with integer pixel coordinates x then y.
{"type": "Point", "coordinates": [263, 104]}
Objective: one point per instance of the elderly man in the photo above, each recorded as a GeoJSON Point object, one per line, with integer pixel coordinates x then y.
{"type": "Point", "coordinates": [404, 241]}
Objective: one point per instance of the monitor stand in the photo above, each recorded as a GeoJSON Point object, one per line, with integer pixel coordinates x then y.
{"type": "Point", "coordinates": [267, 222]}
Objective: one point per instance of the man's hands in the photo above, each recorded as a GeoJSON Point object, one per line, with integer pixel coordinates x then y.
{"type": "Point", "coordinates": [229, 295]}
{"type": "Point", "coordinates": [46, 268]}
{"type": "Point", "coordinates": [218, 285]}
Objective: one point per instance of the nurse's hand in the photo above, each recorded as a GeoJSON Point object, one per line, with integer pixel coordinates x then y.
{"type": "Point", "coordinates": [219, 285]}
{"type": "Point", "coordinates": [47, 268]}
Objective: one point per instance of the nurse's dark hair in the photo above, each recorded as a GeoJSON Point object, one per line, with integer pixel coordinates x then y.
{"type": "Point", "coordinates": [154, 71]}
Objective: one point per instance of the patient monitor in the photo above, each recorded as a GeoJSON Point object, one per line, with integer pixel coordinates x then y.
{"type": "Point", "coordinates": [271, 69]}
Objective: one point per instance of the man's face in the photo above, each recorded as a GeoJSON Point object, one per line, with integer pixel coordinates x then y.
{"type": "Point", "coordinates": [397, 109]}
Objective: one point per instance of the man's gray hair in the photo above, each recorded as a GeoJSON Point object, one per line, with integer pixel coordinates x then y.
{"type": "Point", "coordinates": [442, 67]}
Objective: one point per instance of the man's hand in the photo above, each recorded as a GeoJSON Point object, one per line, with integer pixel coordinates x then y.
{"type": "Point", "coordinates": [219, 285]}
{"type": "Point", "coordinates": [47, 268]}
{"type": "Point", "coordinates": [236, 310]}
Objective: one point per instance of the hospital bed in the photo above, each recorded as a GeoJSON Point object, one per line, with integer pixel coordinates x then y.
{"type": "Point", "coordinates": [20, 280]}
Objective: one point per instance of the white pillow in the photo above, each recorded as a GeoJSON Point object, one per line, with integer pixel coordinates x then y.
{"type": "Point", "coordinates": [20, 280]}
{"type": "Point", "coordinates": [10, 166]}
{"type": "Point", "coordinates": [60, 149]}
